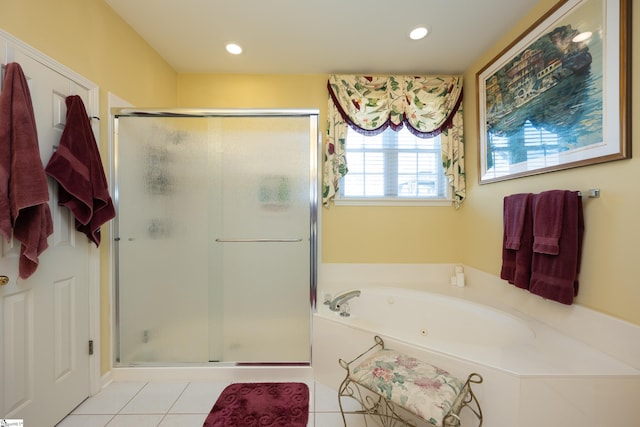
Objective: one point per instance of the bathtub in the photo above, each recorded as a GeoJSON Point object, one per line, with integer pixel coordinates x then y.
{"type": "Point", "coordinates": [526, 364]}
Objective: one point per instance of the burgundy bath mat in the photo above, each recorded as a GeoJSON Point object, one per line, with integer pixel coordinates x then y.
{"type": "Point", "coordinates": [261, 405]}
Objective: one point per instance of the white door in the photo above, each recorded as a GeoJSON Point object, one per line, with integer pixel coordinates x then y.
{"type": "Point", "coordinates": [44, 320]}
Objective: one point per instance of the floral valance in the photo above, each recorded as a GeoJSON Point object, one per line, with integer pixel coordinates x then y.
{"type": "Point", "coordinates": [427, 105]}
{"type": "Point", "coordinates": [370, 104]}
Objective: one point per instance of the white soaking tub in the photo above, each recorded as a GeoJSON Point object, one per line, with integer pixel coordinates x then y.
{"type": "Point", "coordinates": [533, 374]}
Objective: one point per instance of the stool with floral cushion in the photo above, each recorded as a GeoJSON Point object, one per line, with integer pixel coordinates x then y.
{"type": "Point", "coordinates": [401, 390]}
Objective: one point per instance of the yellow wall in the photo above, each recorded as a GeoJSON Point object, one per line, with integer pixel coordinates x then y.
{"type": "Point", "coordinates": [610, 276]}
{"type": "Point", "coordinates": [100, 46]}
{"type": "Point", "coordinates": [89, 38]}
{"type": "Point", "coordinates": [349, 234]}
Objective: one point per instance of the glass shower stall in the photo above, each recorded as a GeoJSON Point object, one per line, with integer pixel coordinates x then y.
{"type": "Point", "coordinates": [215, 236]}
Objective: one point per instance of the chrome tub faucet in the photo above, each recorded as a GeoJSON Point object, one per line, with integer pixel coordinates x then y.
{"type": "Point", "coordinates": [342, 298]}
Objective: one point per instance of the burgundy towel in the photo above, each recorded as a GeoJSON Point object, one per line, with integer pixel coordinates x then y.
{"type": "Point", "coordinates": [24, 194]}
{"type": "Point", "coordinates": [555, 277]}
{"type": "Point", "coordinates": [515, 207]}
{"type": "Point", "coordinates": [517, 240]}
{"type": "Point", "coordinates": [77, 168]}
{"type": "Point", "coordinates": [547, 221]}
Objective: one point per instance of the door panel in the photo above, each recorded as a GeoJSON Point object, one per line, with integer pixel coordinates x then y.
{"type": "Point", "coordinates": [45, 319]}
{"type": "Point", "coordinates": [17, 350]}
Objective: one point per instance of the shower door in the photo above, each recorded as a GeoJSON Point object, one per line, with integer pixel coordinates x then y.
{"type": "Point", "coordinates": [215, 237]}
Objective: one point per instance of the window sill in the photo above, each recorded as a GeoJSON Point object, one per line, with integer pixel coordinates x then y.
{"type": "Point", "coordinates": [392, 202]}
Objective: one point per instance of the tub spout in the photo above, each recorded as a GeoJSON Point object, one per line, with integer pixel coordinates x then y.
{"type": "Point", "coordinates": [340, 299]}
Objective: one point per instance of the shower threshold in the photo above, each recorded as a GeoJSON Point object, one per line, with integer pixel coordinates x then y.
{"type": "Point", "coordinates": [228, 372]}
{"type": "Point", "coordinates": [209, 364]}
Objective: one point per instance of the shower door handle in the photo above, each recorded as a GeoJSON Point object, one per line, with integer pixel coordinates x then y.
{"type": "Point", "coordinates": [226, 240]}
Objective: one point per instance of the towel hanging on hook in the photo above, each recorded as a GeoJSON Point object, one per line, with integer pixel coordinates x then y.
{"type": "Point", "coordinates": [55, 146]}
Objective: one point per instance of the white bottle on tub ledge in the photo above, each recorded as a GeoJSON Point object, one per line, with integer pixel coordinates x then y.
{"type": "Point", "coordinates": [458, 278]}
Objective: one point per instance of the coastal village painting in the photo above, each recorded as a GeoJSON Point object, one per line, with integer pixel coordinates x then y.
{"type": "Point", "coordinates": [546, 100]}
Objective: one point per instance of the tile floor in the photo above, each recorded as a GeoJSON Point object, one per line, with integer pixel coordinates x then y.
{"type": "Point", "coordinates": [181, 404]}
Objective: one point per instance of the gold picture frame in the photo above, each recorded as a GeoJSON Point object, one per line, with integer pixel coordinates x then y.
{"type": "Point", "coordinates": [559, 96]}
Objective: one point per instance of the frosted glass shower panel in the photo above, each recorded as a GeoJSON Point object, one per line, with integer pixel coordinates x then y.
{"type": "Point", "coordinates": [265, 178]}
{"type": "Point", "coordinates": [163, 282]}
{"type": "Point", "coordinates": [265, 238]}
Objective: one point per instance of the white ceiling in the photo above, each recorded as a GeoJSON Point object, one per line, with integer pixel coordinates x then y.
{"type": "Point", "coordinates": [321, 36]}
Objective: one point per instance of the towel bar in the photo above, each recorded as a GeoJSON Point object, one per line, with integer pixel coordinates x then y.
{"type": "Point", "coordinates": [223, 240]}
{"type": "Point", "coordinates": [592, 193]}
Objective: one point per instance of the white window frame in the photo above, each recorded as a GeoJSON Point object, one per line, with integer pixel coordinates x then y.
{"type": "Point", "coordinates": [341, 200]}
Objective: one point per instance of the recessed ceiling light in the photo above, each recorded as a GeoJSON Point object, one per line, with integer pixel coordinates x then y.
{"type": "Point", "coordinates": [582, 37]}
{"type": "Point", "coordinates": [234, 48]}
{"type": "Point", "coordinates": [418, 33]}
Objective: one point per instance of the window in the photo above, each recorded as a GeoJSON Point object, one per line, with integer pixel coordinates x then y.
{"type": "Point", "coordinates": [428, 104]}
{"type": "Point", "coordinates": [393, 167]}
{"type": "Point", "coordinates": [537, 148]}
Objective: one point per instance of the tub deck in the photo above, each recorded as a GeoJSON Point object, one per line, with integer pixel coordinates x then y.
{"type": "Point", "coordinates": [535, 367]}
{"type": "Point", "coordinates": [467, 331]}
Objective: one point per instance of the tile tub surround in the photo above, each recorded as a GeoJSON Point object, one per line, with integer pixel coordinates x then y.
{"type": "Point", "coordinates": [572, 399]}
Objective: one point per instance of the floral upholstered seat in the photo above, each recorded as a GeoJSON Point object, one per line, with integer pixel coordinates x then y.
{"type": "Point", "coordinates": [423, 389]}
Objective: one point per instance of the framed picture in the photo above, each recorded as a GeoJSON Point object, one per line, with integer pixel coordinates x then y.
{"type": "Point", "coordinates": [559, 96]}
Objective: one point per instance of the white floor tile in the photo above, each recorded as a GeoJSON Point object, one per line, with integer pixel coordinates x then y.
{"type": "Point", "coordinates": [86, 421]}
{"type": "Point", "coordinates": [110, 400]}
{"type": "Point", "coordinates": [326, 399]}
{"type": "Point", "coordinates": [333, 419]}
{"type": "Point", "coordinates": [198, 398]}
{"type": "Point", "coordinates": [183, 420]}
{"type": "Point", "coordinates": [136, 420]}
{"type": "Point", "coordinates": [155, 398]}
